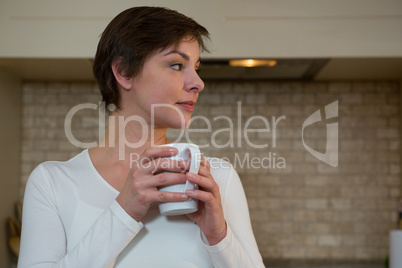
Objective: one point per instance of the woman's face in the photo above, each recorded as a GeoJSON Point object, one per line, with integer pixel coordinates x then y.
{"type": "Point", "coordinates": [165, 91]}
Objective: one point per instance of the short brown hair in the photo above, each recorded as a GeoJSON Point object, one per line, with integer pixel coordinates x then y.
{"type": "Point", "coordinates": [132, 36]}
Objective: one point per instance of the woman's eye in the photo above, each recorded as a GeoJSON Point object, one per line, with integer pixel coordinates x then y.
{"type": "Point", "coordinates": [177, 66]}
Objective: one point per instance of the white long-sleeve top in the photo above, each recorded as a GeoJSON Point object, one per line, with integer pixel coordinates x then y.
{"type": "Point", "coordinates": [71, 219]}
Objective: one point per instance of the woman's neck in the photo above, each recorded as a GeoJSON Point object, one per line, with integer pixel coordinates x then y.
{"type": "Point", "coordinates": [124, 137]}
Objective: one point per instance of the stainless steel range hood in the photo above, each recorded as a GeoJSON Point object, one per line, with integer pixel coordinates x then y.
{"type": "Point", "coordinates": [285, 69]}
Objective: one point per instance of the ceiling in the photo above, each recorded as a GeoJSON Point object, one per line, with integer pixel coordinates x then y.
{"type": "Point", "coordinates": [286, 69]}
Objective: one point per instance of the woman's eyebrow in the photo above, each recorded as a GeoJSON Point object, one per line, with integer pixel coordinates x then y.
{"type": "Point", "coordinates": [183, 55]}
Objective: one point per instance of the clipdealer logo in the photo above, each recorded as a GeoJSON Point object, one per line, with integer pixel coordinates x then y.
{"type": "Point", "coordinates": [331, 153]}
{"type": "Point", "coordinates": [217, 135]}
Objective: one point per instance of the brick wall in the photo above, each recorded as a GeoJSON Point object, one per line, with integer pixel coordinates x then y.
{"type": "Point", "coordinates": [301, 207]}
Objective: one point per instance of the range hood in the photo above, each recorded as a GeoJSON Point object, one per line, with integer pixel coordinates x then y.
{"type": "Point", "coordinates": [308, 69]}
{"type": "Point", "coordinates": [284, 69]}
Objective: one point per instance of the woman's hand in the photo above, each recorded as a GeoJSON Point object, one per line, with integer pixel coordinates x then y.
{"type": "Point", "coordinates": [147, 174]}
{"type": "Point", "coordinates": [209, 216]}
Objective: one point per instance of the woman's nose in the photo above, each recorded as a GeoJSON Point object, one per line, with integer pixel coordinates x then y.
{"type": "Point", "coordinates": [195, 83]}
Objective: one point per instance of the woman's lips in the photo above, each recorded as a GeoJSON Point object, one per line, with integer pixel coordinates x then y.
{"type": "Point", "coordinates": [187, 105]}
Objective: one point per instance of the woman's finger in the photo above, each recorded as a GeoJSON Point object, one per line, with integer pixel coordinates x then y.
{"type": "Point", "coordinates": [204, 162]}
{"type": "Point", "coordinates": [159, 165]}
{"type": "Point", "coordinates": [162, 196]}
{"type": "Point", "coordinates": [158, 152]}
{"type": "Point", "coordinates": [206, 197]}
{"type": "Point", "coordinates": [205, 172]}
{"type": "Point", "coordinates": [165, 179]}
{"type": "Point", "coordinates": [145, 159]}
{"type": "Point", "coordinates": [207, 184]}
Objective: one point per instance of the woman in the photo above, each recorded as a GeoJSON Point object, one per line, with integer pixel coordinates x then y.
{"type": "Point", "coordinates": [87, 212]}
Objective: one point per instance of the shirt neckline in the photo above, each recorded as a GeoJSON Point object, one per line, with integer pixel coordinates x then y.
{"type": "Point", "coordinates": [95, 171]}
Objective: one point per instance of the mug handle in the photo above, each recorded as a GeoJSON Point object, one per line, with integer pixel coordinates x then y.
{"type": "Point", "coordinates": [194, 164]}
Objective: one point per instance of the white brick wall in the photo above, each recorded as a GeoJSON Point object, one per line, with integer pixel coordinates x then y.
{"type": "Point", "coordinates": [307, 210]}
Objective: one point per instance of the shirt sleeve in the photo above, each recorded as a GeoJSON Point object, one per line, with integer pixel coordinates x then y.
{"type": "Point", "coordinates": [43, 238]}
{"type": "Point", "coordinates": [238, 248]}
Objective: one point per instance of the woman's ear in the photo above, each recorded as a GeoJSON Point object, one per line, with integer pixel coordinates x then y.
{"type": "Point", "coordinates": [118, 72]}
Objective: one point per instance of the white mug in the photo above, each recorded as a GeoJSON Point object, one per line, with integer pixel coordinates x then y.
{"type": "Point", "coordinates": [186, 151]}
